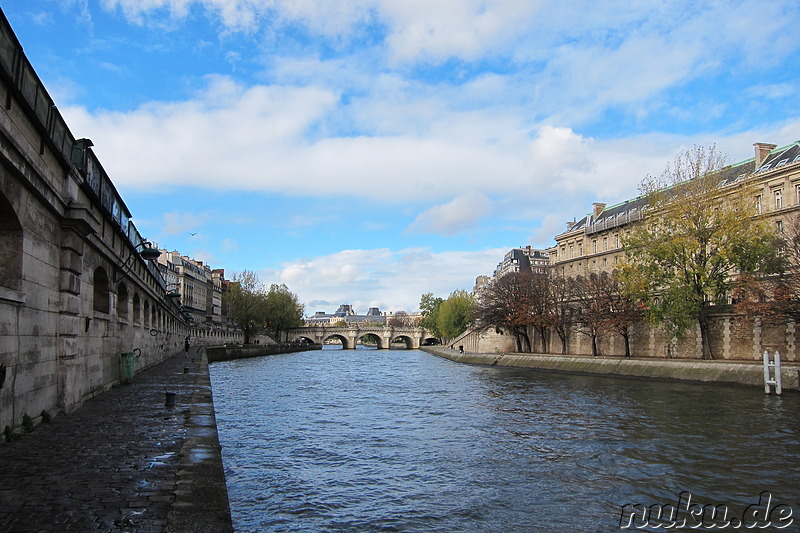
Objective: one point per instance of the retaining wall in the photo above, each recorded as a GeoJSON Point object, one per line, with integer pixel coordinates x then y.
{"type": "Point", "coordinates": [739, 372]}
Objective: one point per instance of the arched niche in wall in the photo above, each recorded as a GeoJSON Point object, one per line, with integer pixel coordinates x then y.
{"type": "Point", "coordinates": [101, 301]}
{"type": "Point", "coordinates": [10, 246]}
{"type": "Point", "coordinates": [122, 301]}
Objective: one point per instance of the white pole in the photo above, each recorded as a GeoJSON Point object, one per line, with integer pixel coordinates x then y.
{"type": "Point", "coordinates": [766, 372]}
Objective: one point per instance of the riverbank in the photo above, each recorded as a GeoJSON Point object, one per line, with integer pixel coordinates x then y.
{"type": "Point", "coordinates": [732, 372]}
{"type": "Point", "coordinates": [231, 352]}
{"type": "Point", "coordinates": [143, 457]}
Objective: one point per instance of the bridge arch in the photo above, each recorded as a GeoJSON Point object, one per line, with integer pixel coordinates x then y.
{"type": "Point", "coordinates": [349, 335]}
{"type": "Point", "coordinates": [371, 335]}
{"type": "Point", "coordinates": [405, 339]}
{"type": "Point", "coordinates": [344, 340]}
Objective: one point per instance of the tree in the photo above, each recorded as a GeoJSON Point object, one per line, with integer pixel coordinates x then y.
{"type": "Point", "coordinates": [284, 310]}
{"type": "Point", "coordinates": [247, 303]}
{"type": "Point", "coordinates": [429, 307]}
{"type": "Point", "coordinates": [252, 307]}
{"type": "Point", "coordinates": [454, 314]}
{"type": "Point", "coordinates": [622, 311]}
{"type": "Point", "coordinates": [591, 306]}
{"type": "Point", "coordinates": [505, 303]}
{"type": "Point", "coordinates": [696, 236]}
{"type": "Point", "coordinates": [560, 308]}
{"type": "Point", "coordinates": [604, 306]}
{"type": "Point", "coordinates": [774, 298]}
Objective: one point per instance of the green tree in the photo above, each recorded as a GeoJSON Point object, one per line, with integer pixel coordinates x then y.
{"type": "Point", "coordinates": [454, 314]}
{"type": "Point", "coordinates": [253, 307]}
{"type": "Point", "coordinates": [284, 310]}
{"type": "Point", "coordinates": [696, 237]}
{"type": "Point", "coordinates": [247, 303]}
{"type": "Point", "coordinates": [429, 307]}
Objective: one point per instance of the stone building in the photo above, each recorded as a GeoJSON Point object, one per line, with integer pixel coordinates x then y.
{"type": "Point", "coordinates": [523, 259]}
{"type": "Point", "coordinates": [345, 313]}
{"type": "Point", "coordinates": [200, 288]}
{"type": "Point", "coordinates": [593, 243]}
{"type": "Point", "coordinates": [78, 285]}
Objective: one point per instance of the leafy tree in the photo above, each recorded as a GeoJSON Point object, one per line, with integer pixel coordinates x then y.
{"type": "Point", "coordinates": [775, 298]}
{"type": "Point", "coordinates": [247, 302]}
{"type": "Point", "coordinates": [696, 236]}
{"type": "Point", "coordinates": [252, 307]}
{"type": "Point", "coordinates": [429, 307]}
{"type": "Point", "coordinates": [454, 314]}
{"type": "Point", "coordinates": [284, 310]}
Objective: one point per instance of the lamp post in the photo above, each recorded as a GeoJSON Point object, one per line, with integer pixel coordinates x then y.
{"type": "Point", "coordinates": [148, 252]}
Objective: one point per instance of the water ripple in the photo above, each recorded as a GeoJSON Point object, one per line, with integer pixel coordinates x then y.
{"type": "Point", "coordinates": [369, 441]}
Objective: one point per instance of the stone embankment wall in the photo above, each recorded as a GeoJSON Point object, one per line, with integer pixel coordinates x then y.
{"type": "Point", "coordinates": [733, 337]}
{"type": "Point", "coordinates": [74, 291]}
{"type": "Point", "coordinates": [230, 352]}
{"type": "Point", "coordinates": [736, 372]}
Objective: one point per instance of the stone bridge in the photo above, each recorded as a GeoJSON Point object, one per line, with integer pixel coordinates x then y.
{"type": "Point", "coordinates": [349, 336]}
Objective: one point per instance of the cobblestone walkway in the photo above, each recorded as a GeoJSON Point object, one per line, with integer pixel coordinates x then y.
{"type": "Point", "coordinates": [112, 465]}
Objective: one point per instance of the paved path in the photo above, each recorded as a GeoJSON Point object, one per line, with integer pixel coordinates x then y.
{"type": "Point", "coordinates": [120, 462]}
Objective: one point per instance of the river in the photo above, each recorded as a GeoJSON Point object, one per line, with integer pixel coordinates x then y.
{"type": "Point", "coordinates": [400, 440]}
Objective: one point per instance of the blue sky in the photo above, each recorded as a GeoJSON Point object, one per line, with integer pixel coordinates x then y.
{"type": "Point", "coordinates": [369, 151]}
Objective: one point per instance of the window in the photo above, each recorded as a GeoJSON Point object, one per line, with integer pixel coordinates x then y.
{"type": "Point", "coordinates": [779, 226]}
{"type": "Point", "coordinates": [605, 243]}
{"type": "Point", "coordinates": [797, 194]}
{"type": "Point", "coordinates": [616, 241]}
{"type": "Point", "coordinates": [594, 246]}
{"type": "Point", "coordinates": [778, 198]}
{"type": "Point", "coordinates": [758, 204]}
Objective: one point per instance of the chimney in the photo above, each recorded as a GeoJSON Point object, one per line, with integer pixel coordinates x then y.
{"type": "Point", "coordinates": [597, 208]}
{"type": "Point", "coordinates": [570, 224]}
{"type": "Point", "coordinates": [762, 151]}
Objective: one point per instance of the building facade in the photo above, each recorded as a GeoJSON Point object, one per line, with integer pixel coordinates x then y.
{"type": "Point", "coordinates": [593, 243]}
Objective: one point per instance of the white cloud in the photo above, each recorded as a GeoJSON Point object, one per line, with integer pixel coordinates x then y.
{"type": "Point", "coordinates": [456, 216]}
{"type": "Point", "coordinates": [391, 280]}
{"type": "Point", "coordinates": [180, 222]}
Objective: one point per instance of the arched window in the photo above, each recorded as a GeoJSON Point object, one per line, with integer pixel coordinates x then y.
{"type": "Point", "coordinates": [146, 318]}
{"type": "Point", "coordinates": [137, 309]}
{"type": "Point", "coordinates": [122, 301]}
{"type": "Point", "coordinates": [10, 247]}
{"type": "Point", "coordinates": [102, 290]}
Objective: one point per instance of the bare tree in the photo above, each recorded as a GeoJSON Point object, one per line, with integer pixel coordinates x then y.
{"type": "Point", "coordinates": [590, 306]}
{"type": "Point", "coordinates": [504, 304]}
{"type": "Point", "coordinates": [560, 305]}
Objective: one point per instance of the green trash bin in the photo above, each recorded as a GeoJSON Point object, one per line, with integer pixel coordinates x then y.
{"type": "Point", "coordinates": [129, 363]}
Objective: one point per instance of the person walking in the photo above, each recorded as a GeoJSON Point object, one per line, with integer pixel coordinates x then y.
{"type": "Point", "coordinates": [186, 346]}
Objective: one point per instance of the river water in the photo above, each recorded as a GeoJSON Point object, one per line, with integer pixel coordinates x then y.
{"type": "Point", "coordinates": [400, 440]}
